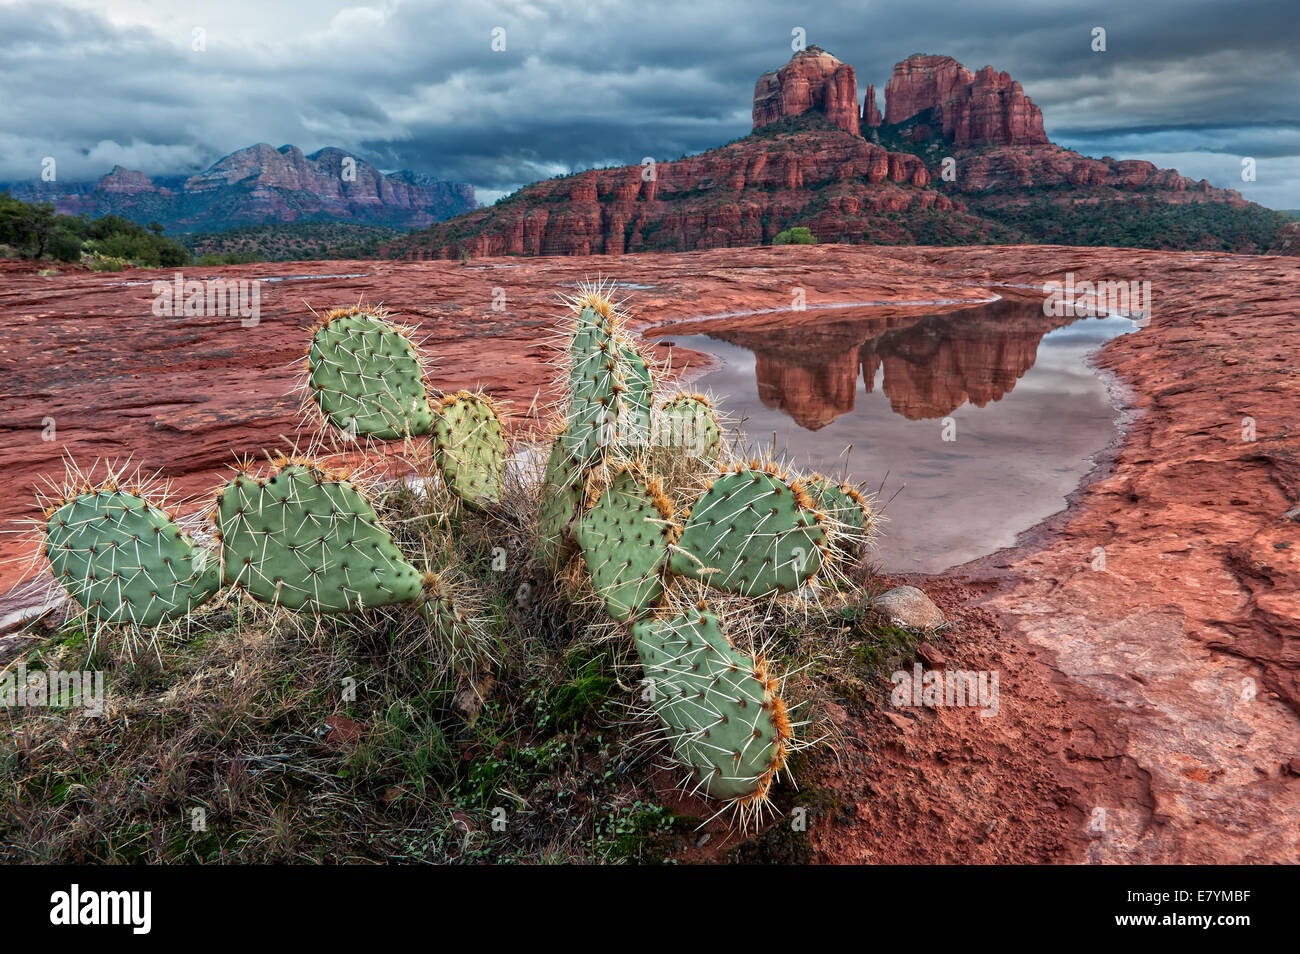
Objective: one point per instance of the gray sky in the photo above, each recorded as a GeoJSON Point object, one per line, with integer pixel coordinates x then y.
{"type": "Point", "coordinates": [416, 84]}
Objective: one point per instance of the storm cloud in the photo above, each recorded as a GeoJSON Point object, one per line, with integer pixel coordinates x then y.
{"type": "Point", "coordinates": [170, 87]}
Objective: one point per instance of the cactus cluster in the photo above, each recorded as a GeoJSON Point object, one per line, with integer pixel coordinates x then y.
{"type": "Point", "coordinates": [634, 481]}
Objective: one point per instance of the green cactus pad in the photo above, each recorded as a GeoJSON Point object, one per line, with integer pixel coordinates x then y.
{"type": "Point", "coordinates": [597, 381]}
{"type": "Point", "coordinates": [850, 516]}
{"type": "Point", "coordinates": [124, 560]}
{"type": "Point", "coordinates": [726, 722]}
{"type": "Point", "coordinates": [687, 424]}
{"type": "Point", "coordinates": [752, 532]}
{"type": "Point", "coordinates": [636, 416]}
{"type": "Point", "coordinates": [624, 538]}
{"type": "Point", "coordinates": [469, 448]}
{"type": "Point", "coordinates": [366, 378]}
{"type": "Point", "coordinates": [560, 501]}
{"type": "Point", "coordinates": [304, 539]}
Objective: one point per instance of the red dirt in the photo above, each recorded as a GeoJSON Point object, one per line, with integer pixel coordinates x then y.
{"type": "Point", "coordinates": [1126, 689]}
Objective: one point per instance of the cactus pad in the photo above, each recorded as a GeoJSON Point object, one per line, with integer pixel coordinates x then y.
{"type": "Point", "coordinates": [366, 378]}
{"type": "Point", "coordinates": [624, 538]}
{"type": "Point", "coordinates": [469, 448]}
{"type": "Point", "coordinates": [752, 532]}
{"type": "Point", "coordinates": [456, 630]}
{"type": "Point", "coordinates": [597, 382]}
{"type": "Point", "coordinates": [125, 560]}
{"type": "Point", "coordinates": [636, 408]}
{"type": "Point", "coordinates": [850, 516]}
{"type": "Point", "coordinates": [687, 424]}
{"type": "Point", "coordinates": [726, 721]}
{"type": "Point", "coordinates": [559, 502]}
{"type": "Point", "coordinates": [305, 539]}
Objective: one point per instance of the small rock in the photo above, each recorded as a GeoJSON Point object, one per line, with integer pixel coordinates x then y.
{"type": "Point", "coordinates": [342, 731]}
{"type": "Point", "coordinates": [898, 720]}
{"type": "Point", "coordinates": [908, 607]}
{"type": "Point", "coordinates": [835, 713]}
{"type": "Point", "coordinates": [1230, 361]}
{"type": "Point", "coordinates": [1293, 766]}
{"type": "Point", "coordinates": [931, 656]}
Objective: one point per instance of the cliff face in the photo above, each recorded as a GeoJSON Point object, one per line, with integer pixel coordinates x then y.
{"type": "Point", "coordinates": [812, 80]}
{"type": "Point", "coordinates": [969, 108]}
{"type": "Point", "coordinates": [871, 117]}
{"type": "Point", "coordinates": [838, 184]}
{"type": "Point", "coordinates": [260, 185]}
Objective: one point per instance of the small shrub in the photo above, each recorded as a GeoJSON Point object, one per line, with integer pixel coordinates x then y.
{"type": "Point", "coordinates": [799, 235]}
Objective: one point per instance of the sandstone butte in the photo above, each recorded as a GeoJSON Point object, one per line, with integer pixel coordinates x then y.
{"type": "Point", "coordinates": [819, 159]}
{"type": "Point", "coordinates": [1149, 710]}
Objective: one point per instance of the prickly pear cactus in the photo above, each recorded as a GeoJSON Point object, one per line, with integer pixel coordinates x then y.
{"type": "Point", "coordinates": [753, 532]}
{"type": "Point", "coordinates": [559, 503]}
{"type": "Point", "coordinates": [597, 382]}
{"type": "Point", "coordinates": [365, 376]}
{"type": "Point", "coordinates": [305, 539]}
{"type": "Point", "coordinates": [125, 560]}
{"type": "Point", "coordinates": [624, 537]}
{"type": "Point", "coordinates": [850, 518]}
{"type": "Point", "coordinates": [469, 447]}
{"type": "Point", "coordinates": [638, 401]}
{"type": "Point", "coordinates": [687, 424]}
{"type": "Point", "coordinates": [725, 719]}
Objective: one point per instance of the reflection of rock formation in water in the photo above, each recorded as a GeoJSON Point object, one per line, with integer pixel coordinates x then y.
{"type": "Point", "coordinates": [932, 364]}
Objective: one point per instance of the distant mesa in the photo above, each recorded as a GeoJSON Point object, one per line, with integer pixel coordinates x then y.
{"type": "Point", "coordinates": [262, 185]}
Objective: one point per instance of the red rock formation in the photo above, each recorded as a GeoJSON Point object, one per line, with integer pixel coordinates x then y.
{"type": "Point", "coordinates": [971, 108]}
{"type": "Point", "coordinates": [813, 79]}
{"type": "Point", "coordinates": [741, 194]}
{"type": "Point", "coordinates": [124, 182]}
{"type": "Point", "coordinates": [871, 117]}
{"type": "Point", "coordinates": [843, 188]}
{"type": "Point", "coordinates": [1038, 168]}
